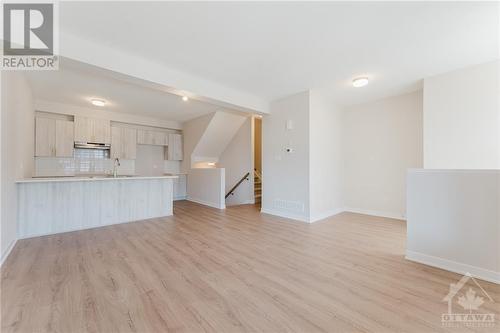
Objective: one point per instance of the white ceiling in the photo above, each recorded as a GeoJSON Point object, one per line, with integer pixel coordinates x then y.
{"type": "Point", "coordinates": [76, 84]}
{"type": "Point", "coordinates": [273, 49]}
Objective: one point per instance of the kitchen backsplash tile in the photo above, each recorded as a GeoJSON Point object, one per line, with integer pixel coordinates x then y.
{"type": "Point", "coordinates": [90, 163]}
{"type": "Point", "coordinates": [50, 166]}
{"type": "Point", "coordinates": [58, 166]}
{"type": "Point", "coordinates": [172, 166]}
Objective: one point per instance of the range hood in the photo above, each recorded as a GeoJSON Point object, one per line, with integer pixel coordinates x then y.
{"type": "Point", "coordinates": [92, 145]}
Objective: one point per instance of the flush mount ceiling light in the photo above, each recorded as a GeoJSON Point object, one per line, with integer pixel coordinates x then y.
{"type": "Point", "coordinates": [98, 102]}
{"type": "Point", "coordinates": [359, 82]}
{"type": "Point", "coordinates": [185, 98]}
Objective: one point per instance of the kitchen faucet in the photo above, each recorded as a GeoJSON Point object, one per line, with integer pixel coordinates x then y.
{"type": "Point", "coordinates": [115, 167]}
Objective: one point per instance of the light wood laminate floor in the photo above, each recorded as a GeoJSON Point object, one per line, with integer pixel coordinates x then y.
{"type": "Point", "coordinates": [226, 271]}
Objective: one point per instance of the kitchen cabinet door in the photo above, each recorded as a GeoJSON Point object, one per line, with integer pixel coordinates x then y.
{"type": "Point", "coordinates": [45, 137]}
{"type": "Point", "coordinates": [83, 130]}
{"type": "Point", "coordinates": [100, 130]}
{"type": "Point", "coordinates": [174, 150]}
{"type": "Point", "coordinates": [123, 143]}
{"type": "Point", "coordinates": [159, 138]}
{"type": "Point", "coordinates": [129, 143]}
{"type": "Point", "coordinates": [116, 142]}
{"type": "Point", "coordinates": [144, 137]}
{"type": "Point", "coordinates": [151, 137]}
{"type": "Point", "coordinates": [92, 130]}
{"type": "Point", "coordinates": [64, 136]}
{"type": "Point", "coordinates": [180, 188]}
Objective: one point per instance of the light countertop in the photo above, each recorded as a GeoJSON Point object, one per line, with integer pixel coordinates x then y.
{"type": "Point", "coordinates": [89, 179]}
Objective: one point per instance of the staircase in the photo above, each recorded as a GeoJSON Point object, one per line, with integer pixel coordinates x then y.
{"type": "Point", "coordinates": [257, 187]}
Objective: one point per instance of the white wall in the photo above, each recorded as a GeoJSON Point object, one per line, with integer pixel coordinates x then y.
{"type": "Point", "coordinates": [381, 141]}
{"type": "Point", "coordinates": [237, 159]}
{"type": "Point", "coordinates": [462, 119]}
{"type": "Point", "coordinates": [192, 132]}
{"type": "Point", "coordinates": [217, 135]}
{"type": "Point", "coordinates": [454, 220]}
{"type": "Point", "coordinates": [285, 183]}
{"type": "Point", "coordinates": [206, 186]}
{"type": "Point", "coordinates": [325, 168]}
{"type": "Point", "coordinates": [17, 150]}
{"type": "Point", "coordinates": [344, 158]}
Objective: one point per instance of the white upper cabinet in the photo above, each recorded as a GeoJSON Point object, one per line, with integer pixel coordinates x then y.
{"type": "Point", "coordinates": [92, 130]}
{"type": "Point", "coordinates": [174, 150]}
{"type": "Point", "coordinates": [151, 137]}
{"type": "Point", "coordinates": [64, 138]}
{"type": "Point", "coordinates": [123, 143]}
{"type": "Point", "coordinates": [144, 137]}
{"type": "Point", "coordinates": [53, 137]}
{"type": "Point", "coordinates": [45, 137]}
{"type": "Point", "coordinates": [160, 138]}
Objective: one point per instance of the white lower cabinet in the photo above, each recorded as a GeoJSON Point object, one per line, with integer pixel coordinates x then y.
{"type": "Point", "coordinates": [180, 187]}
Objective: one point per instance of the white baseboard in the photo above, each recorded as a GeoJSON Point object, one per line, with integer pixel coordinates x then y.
{"type": "Point", "coordinates": [390, 215]}
{"type": "Point", "coordinates": [7, 253]}
{"type": "Point", "coordinates": [453, 266]}
{"type": "Point", "coordinates": [207, 203]}
{"type": "Point", "coordinates": [183, 197]}
{"type": "Point", "coordinates": [301, 218]}
{"type": "Point", "coordinates": [324, 215]}
{"type": "Point", "coordinates": [285, 214]}
{"type": "Point", "coordinates": [246, 202]}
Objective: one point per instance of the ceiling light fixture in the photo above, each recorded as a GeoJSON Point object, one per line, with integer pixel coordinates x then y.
{"type": "Point", "coordinates": [211, 163]}
{"type": "Point", "coordinates": [98, 102]}
{"type": "Point", "coordinates": [359, 82]}
{"type": "Point", "coordinates": [185, 98]}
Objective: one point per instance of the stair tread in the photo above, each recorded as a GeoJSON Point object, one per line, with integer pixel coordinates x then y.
{"type": "Point", "coordinates": [257, 189]}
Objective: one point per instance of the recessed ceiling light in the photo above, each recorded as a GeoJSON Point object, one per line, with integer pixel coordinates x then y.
{"type": "Point", "coordinates": [360, 82]}
{"type": "Point", "coordinates": [98, 102]}
{"type": "Point", "coordinates": [185, 98]}
{"type": "Point", "coordinates": [211, 163]}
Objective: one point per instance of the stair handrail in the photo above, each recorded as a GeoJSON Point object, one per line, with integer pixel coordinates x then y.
{"type": "Point", "coordinates": [238, 184]}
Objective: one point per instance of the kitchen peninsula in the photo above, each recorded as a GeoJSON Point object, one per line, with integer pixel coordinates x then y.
{"type": "Point", "coordinates": [61, 204]}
